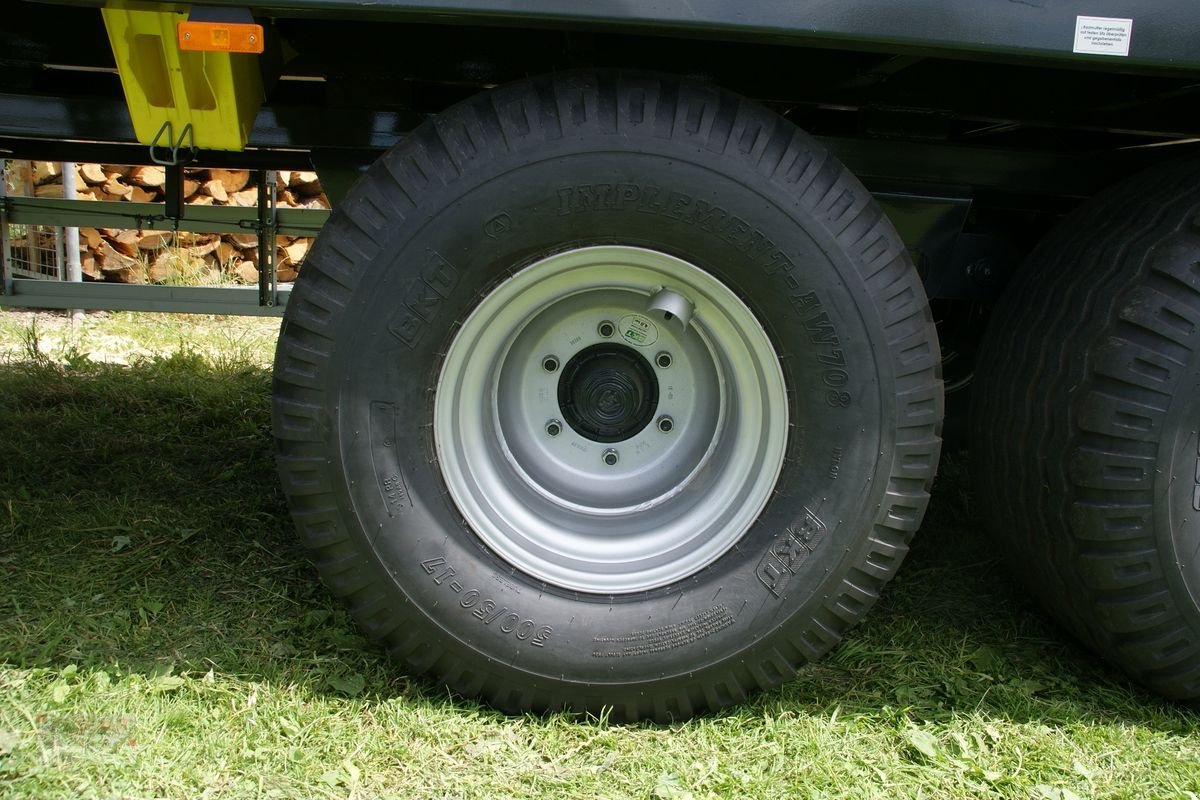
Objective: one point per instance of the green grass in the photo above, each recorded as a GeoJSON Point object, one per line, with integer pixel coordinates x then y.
{"type": "Point", "coordinates": [164, 636]}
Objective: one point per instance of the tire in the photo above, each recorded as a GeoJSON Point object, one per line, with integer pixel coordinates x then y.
{"type": "Point", "coordinates": [499, 553]}
{"type": "Point", "coordinates": [1085, 426]}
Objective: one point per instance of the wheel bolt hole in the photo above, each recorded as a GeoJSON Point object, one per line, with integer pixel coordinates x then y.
{"type": "Point", "coordinates": [610, 457]}
{"type": "Point", "coordinates": [665, 424]}
{"type": "Point", "coordinates": [550, 364]}
{"type": "Point", "coordinates": [553, 428]}
{"type": "Point", "coordinates": [663, 360]}
{"type": "Point", "coordinates": [606, 329]}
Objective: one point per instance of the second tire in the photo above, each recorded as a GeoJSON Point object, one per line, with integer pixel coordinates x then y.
{"type": "Point", "coordinates": [1086, 426]}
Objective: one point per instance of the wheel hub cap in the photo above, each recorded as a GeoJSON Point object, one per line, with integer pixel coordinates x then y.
{"type": "Point", "coordinates": [608, 392]}
{"type": "Point", "coordinates": [610, 419]}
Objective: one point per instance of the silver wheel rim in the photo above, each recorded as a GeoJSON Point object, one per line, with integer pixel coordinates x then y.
{"type": "Point", "coordinates": [662, 501]}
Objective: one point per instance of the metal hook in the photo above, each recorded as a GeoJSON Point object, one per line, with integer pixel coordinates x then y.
{"type": "Point", "coordinates": [175, 145]}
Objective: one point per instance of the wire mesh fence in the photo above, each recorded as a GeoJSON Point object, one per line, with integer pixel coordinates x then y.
{"type": "Point", "coordinates": [34, 251]}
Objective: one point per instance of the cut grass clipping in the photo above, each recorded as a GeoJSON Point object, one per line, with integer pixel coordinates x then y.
{"type": "Point", "coordinates": [164, 636]}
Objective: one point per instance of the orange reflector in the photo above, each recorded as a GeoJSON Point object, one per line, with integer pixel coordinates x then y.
{"type": "Point", "coordinates": [221, 37]}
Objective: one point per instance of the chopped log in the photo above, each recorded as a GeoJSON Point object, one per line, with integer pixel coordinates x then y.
{"type": "Point", "coordinates": [22, 172]}
{"type": "Point", "coordinates": [162, 267]}
{"type": "Point", "coordinates": [118, 267]}
{"type": "Point", "coordinates": [247, 272]}
{"type": "Point", "coordinates": [139, 195]}
{"type": "Point", "coordinates": [125, 243]}
{"type": "Point", "coordinates": [286, 274]}
{"type": "Point", "coordinates": [282, 178]}
{"type": "Point", "coordinates": [87, 264]}
{"type": "Point", "coordinates": [286, 198]}
{"type": "Point", "coordinates": [48, 190]}
{"type": "Point", "coordinates": [125, 275]}
{"type": "Point", "coordinates": [297, 250]}
{"type": "Point", "coordinates": [116, 169]}
{"type": "Point", "coordinates": [225, 252]}
{"type": "Point", "coordinates": [150, 177]}
{"type": "Point", "coordinates": [215, 190]}
{"type": "Point", "coordinates": [90, 237]}
{"type": "Point", "coordinates": [86, 194]}
{"type": "Point", "coordinates": [305, 183]}
{"type": "Point", "coordinates": [233, 180]}
{"type": "Point", "coordinates": [111, 259]}
{"type": "Point", "coordinates": [174, 266]}
{"type": "Point", "coordinates": [92, 173]}
{"type": "Point", "coordinates": [283, 263]}
{"type": "Point", "coordinates": [154, 240]}
{"type": "Point", "coordinates": [243, 240]}
{"type": "Point", "coordinates": [116, 186]}
{"type": "Point", "coordinates": [190, 187]}
{"type": "Point", "coordinates": [244, 198]}
{"type": "Point", "coordinates": [203, 248]}
{"type": "Point", "coordinates": [200, 200]}
{"type": "Point", "coordinates": [47, 172]}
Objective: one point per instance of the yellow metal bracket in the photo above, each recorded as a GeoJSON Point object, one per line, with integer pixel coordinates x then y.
{"type": "Point", "coordinates": [215, 95]}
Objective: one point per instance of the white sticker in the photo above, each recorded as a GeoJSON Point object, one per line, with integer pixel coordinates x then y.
{"type": "Point", "coordinates": [1106, 36]}
{"type": "Point", "coordinates": [638, 330]}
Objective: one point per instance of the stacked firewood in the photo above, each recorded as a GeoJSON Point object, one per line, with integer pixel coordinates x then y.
{"type": "Point", "coordinates": [133, 256]}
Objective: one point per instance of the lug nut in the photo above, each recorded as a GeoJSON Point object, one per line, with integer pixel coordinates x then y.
{"type": "Point", "coordinates": [665, 423]}
{"type": "Point", "coordinates": [550, 363]}
{"type": "Point", "coordinates": [606, 329]}
{"type": "Point", "coordinates": [553, 428]}
{"type": "Point", "coordinates": [663, 359]}
{"type": "Point", "coordinates": [610, 457]}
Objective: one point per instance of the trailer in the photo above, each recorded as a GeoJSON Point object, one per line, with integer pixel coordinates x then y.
{"type": "Point", "coordinates": [618, 376]}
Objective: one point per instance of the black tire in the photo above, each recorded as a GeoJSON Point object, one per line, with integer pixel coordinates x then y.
{"type": "Point", "coordinates": [1085, 424]}
{"type": "Point", "coordinates": [464, 203]}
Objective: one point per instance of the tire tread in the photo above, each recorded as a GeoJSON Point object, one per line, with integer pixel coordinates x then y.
{"type": "Point", "coordinates": [1086, 351]}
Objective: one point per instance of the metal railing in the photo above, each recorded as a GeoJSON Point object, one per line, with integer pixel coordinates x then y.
{"type": "Point", "coordinates": [25, 219]}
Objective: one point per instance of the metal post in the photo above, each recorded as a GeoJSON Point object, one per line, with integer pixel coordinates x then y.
{"type": "Point", "coordinates": [5, 249]}
{"type": "Point", "coordinates": [32, 260]}
{"type": "Point", "coordinates": [268, 285]}
{"type": "Point", "coordinates": [60, 254]}
{"type": "Point", "coordinates": [69, 268]}
{"type": "Point", "coordinates": [173, 191]}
